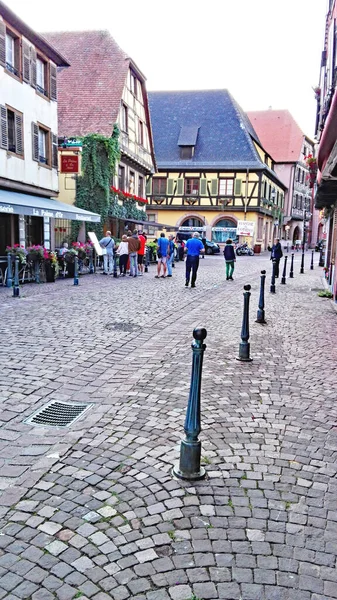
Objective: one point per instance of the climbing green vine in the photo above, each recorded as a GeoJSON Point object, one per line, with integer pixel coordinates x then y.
{"type": "Point", "coordinates": [100, 156]}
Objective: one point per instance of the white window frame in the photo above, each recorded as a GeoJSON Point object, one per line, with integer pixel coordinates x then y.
{"type": "Point", "coordinates": [226, 187]}
{"type": "Point", "coordinates": [10, 50]}
{"type": "Point", "coordinates": [40, 73]}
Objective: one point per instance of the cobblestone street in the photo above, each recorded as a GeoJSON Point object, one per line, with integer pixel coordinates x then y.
{"type": "Point", "coordinates": [93, 512]}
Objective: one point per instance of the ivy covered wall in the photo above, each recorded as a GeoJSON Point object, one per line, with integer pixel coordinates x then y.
{"type": "Point", "coordinates": [100, 156]}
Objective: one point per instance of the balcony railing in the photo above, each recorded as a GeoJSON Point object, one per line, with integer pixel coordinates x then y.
{"type": "Point", "coordinates": [12, 69]}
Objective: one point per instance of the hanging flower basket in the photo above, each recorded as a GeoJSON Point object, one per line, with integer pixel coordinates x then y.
{"type": "Point", "coordinates": [19, 251]}
{"type": "Point", "coordinates": [35, 253]}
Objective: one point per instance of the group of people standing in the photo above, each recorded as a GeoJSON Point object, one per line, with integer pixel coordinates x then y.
{"type": "Point", "coordinates": [131, 252]}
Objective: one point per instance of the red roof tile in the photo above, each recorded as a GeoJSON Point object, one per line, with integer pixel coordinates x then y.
{"type": "Point", "coordinates": [279, 134]}
{"type": "Point", "coordinates": [90, 90]}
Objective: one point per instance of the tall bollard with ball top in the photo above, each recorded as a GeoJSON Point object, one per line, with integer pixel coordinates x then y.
{"type": "Point", "coordinates": [260, 311]}
{"type": "Point", "coordinates": [284, 274]}
{"type": "Point", "coordinates": [291, 274]}
{"type": "Point", "coordinates": [91, 261]}
{"type": "Point", "coordinates": [115, 262]}
{"type": "Point", "coordinates": [190, 449]}
{"type": "Point", "coordinates": [272, 285]}
{"type": "Point", "coordinates": [312, 261]}
{"type": "Point", "coordinates": [147, 260]}
{"type": "Point", "coordinates": [16, 288]}
{"type": "Point", "coordinates": [244, 347]}
{"type": "Point", "coordinates": [9, 281]}
{"type": "Point", "coordinates": [76, 271]}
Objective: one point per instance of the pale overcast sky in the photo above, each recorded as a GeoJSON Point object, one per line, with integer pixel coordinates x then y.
{"type": "Point", "coordinates": [265, 52]}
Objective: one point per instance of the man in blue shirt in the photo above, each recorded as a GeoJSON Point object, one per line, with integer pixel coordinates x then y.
{"type": "Point", "coordinates": [193, 247]}
{"type": "Point", "coordinates": [162, 254]}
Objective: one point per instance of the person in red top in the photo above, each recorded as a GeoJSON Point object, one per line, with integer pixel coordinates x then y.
{"type": "Point", "coordinates": [141, 252]}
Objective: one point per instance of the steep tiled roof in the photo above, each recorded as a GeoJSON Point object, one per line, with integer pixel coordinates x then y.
{"type": "Point", "coordinates": [279, 134]}
{"type": "Point", "coordinates": [90, 91]}
{"type": "Point", "coordinates": [224, 132]}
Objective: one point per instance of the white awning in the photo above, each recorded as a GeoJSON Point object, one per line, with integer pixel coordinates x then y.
{"type": "Point", "coordinates": [37, 206]}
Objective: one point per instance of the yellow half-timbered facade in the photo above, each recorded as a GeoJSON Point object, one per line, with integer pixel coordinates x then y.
{"type": "Point", "coordinates": [212, 170]}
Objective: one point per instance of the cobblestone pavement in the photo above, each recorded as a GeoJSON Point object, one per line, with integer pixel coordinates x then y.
{"type": "Point", "coordinates": [93, 512]}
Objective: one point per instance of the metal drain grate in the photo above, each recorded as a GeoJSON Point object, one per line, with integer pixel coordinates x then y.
{"type": "Point", "coordinates": [58, 414]}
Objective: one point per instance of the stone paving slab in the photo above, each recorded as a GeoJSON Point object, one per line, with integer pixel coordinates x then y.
{"type": "Point", "coordinates": [94, 512]}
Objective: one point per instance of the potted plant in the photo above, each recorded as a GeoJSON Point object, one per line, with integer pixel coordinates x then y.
{"type": "Point", "coordinates": [51, 265]}
{"type": "Point", "coordinates": [18, 250]}
{"type": "Point", "coordinates": [80, 249]}
{"type": "Point", "coordinates": [69, 258]}
{"type": "Point", "coordinates": [35, 253]}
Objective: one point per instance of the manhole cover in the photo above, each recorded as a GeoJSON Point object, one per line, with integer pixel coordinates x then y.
{"type": "Point", "coordinates": [58, 414]}
{"type": "Point", "coordinates": [122, 326]}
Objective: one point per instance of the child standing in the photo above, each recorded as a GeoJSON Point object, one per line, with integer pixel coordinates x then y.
{"type": "Point", "coordinates": [229, 254]}
{"type": "Point", "coordinates": [123, 253]}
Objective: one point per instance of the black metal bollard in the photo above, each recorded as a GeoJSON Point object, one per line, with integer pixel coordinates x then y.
{"type": "Point", "coordinates": [190, 448]}
{"type": "Point", "coordinates": [115, 263]}
{"type": "Point", "coordinates": [321, 259]}
{"type": "Point", "coordinates": [260, 311]}
{"type": "Point", "coordinates": [244, 347]}
{"type": "Point", "coordinates": [284, 274]}
{"type": "Point", "coordinates": [9, 281]}
{"type": "Point", "coordinates": [16, 288]}
{"type": "Point", "coordinates": [37, 271]}
{"type": "Point", "coordinates": [291, 274]}
{"type": "Point", "coordinates": [302, 264]}
{"type": "Point", "coordinates": [312, 261]}
{"type": "Point", "coordinates": [272, 285]}
{"type": "Point", "coordinates": [91, 262]}
{"type": "Point", "coordinates": [76, 271]}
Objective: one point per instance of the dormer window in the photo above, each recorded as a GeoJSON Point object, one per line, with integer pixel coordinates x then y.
{"type": "Point", "coordinates": [186, 152]}
{"type": "Point", "coordinates": [187, 141]}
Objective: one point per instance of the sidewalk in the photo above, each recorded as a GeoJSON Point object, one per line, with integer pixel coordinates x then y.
{"type": "Point", "coordinates": [93, 511]}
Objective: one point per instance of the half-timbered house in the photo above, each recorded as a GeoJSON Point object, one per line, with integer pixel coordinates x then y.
{"type": "Point", "coordinates": [212, 168]}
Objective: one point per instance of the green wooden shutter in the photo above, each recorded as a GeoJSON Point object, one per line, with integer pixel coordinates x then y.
{"type": "Point", "coordinates": [203, 186]}
{"type": "Point", "coordinates": [149, 187]}
{"type": "Point", "coordinates": [53, 83]}
{"type": "Point", "coordinates": [54, 141]}
{"type": "Point", "coordinates": [18, 134]}
{"type": "Point", "coordinates": [237, 187]}
{"type": "Point", "coordinates": [3, 128]}
{"type": "Point", "coordinates": [2, 43]}
{"type": "Point", "coordinates": [180, 187]}
{"type": "Point", "coordinates": [214, 187]}
{"type": "Point", "coordinates": [33, 67]}
{"type": "Point", "coordinates": [25, 62]}
{"type": "Point", "coordinates": [170, 184]}
{"type": "Point", "coordinates": [35, 141]}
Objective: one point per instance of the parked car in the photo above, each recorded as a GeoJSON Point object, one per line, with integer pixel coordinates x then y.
{"type": "Point", "coordinates": [210, 247]}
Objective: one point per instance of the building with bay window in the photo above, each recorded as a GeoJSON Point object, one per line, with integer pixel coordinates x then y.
{"type": "Point", "coordinates": [212, 168]}
{"type": "Point", "coordinates": [110, 89]}
{"type": "Point", "coordinates": [28, 135]}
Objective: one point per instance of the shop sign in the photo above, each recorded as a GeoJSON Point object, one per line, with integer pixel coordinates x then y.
{"type": "Point", "coordinates": [6, 208]}
{"type": "Point", "coordinates": [69, 163]}
{"type": "Point", "coordinates": [245, 228]}
{"type": "Point", "coordinates": [225, 229]}
{"type": "Point", "coordinates": [192, 228]}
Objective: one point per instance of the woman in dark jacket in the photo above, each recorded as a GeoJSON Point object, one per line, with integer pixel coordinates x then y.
{"type": "Point", "coordinates": [229, 254]}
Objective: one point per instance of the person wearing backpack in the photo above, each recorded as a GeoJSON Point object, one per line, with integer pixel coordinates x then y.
{"type": "Point", "coordinates": [230, 258]}
{"type": "Point", "coordinates": [107, 245]}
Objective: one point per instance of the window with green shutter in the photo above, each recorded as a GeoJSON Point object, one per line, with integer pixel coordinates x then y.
{"type": "Point", "coordinates": [214, 187]}
{"type": "Point", "coordinates": [203, 186]}
{"type": "Point", "coordinates": [180, 186]}
{"type": "Point", "coordinates": [237, 187]}
{"type": "Point", "coordinates": [170, 184]}
{"type": "Point", "coordinates": [148, 186]}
